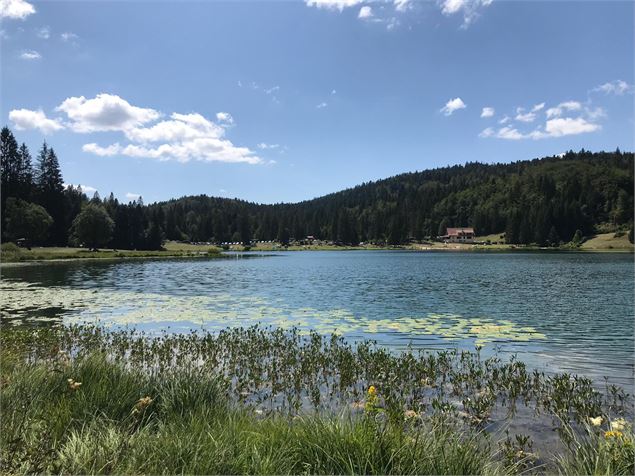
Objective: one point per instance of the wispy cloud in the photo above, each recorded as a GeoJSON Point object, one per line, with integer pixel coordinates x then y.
{"type": "Point", "coordinates": [271, 92]}
{"type": "Point", "coordinates": [30, 55]}
{"type": "Point", "coordinates": [265, 146]}
{"type": "Point", "coordinates": [43, 33]}
{"type": "Point", "coordinates": [321, 105]}
{"type": "Point", "coordinates": [563, 107]}
{"type": "Point", "coordinates": [333, 4]}
{"type": "Point", "coordinates": [617, 87]}
{"type": "Point", "coordinates": [69, 37]}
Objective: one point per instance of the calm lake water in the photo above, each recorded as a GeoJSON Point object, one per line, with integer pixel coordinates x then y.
{"type": "Point", "coordinates": [569, 312]}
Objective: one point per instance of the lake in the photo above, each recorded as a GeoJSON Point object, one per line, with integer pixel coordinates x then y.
{"type": "Point", "coordinates": [570, 312]}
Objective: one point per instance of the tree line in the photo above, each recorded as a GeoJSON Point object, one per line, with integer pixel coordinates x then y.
{"type": "Point", "coordinates": [543, 201]}
{"type": "Point", "coordinates": [38, 207]}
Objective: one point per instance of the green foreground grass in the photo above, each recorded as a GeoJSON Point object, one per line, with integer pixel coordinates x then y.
{"type": "Point", "coordinates": [82, 400]}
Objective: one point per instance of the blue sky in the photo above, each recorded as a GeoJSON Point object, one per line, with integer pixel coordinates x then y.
{"type": "Point", "coordinates": [285, 101]}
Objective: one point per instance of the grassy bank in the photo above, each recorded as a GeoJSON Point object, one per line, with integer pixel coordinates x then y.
{"type": "Point", "coordinates": [256, 401]}
{"type": "Point", "coordinates": [13, 254]}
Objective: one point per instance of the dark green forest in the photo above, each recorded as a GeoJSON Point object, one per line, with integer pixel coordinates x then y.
{"type": "Point", "coordinates": [541, 201]}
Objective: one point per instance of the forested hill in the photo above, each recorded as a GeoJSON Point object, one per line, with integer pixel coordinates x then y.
{"type": "Point", "coordinates": [543, 201]}
{"type": "Point", "coordinates": [539, 201]}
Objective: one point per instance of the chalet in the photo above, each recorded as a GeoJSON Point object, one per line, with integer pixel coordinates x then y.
{"type": "Point", "coordinates": [459, 235]}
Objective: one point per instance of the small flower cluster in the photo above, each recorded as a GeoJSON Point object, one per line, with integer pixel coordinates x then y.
{"type": "Point", "coordinates": [616, 426]}
{"type": "Point", "coordinates": [372, 400]}
{"type": "Point", "coordinates": [72, 385]}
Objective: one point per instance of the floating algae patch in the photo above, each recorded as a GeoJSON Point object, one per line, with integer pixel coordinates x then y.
{"type": "Point", "coordinates": [27, 302]}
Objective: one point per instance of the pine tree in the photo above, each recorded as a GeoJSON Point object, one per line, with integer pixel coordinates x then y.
{"type": "Point", "coordinates": [9, 159]}
{"type": "Point", "coordinates": [25, 174]}
{"type": "Point", "coordinates": [50, 186]}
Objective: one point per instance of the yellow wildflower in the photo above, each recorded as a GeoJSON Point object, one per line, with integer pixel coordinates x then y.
{"type": "Point", "coordinates": [618, 425]}
{"type": "Point", "coordinates": [73, 385]}
{"type": "Point", "coordinates": [613, 434]}
{"type": "Point", "coordinates": [372, 390]}
{"type": "Point", "coordinates": [597, 421]}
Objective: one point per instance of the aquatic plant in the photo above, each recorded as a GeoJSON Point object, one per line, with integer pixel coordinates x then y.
{"type": "Point", "coordinates": [154, 403]}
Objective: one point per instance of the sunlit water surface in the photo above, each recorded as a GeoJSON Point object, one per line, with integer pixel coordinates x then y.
{"type": "Point", "coordinates": [568, 312]}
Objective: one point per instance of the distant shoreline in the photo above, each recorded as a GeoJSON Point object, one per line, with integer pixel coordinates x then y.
{"type": "Point", "coordinates": [61, 255]}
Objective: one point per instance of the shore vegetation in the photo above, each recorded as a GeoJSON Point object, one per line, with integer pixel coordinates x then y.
{"type": "Point", "coordinates": [87, 400]}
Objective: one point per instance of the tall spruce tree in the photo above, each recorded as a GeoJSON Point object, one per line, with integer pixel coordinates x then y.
{"type": "Point", "coordinates": [9, 159]}
{"type": "Point", "coordinates": [50, 187]}
{"type": "Point", "coordinates": [24, 174]}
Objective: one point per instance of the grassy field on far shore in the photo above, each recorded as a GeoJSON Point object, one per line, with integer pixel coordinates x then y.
{"type": "Point", "coordinates": [13, 254]}
{"type": "Point", "coordinates": [606, 242]}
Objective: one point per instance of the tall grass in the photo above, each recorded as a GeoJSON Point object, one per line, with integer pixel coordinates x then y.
{"type": "Point", "coordinates": [83, 400]}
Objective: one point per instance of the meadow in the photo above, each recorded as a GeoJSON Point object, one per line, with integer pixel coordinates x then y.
{"type": "Point", "coordinates": [14, 254]}
{"type": "Point", "coordinates": [87, 400]}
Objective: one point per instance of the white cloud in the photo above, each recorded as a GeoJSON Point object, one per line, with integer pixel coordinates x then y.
{"type": "Point", "coordinates": [333, 4]}
{"type": "Point", "coordinates": [68, 36]}
{"type": "Point", "coordinates": [181, 127]}
{"type": "Point", "coordinates": [526, 117]}
{"type": "Point", "coordinates": [562, 107]}
{"type": "Point", "coordinates": [402, 5]}
{"type": "Point", "coordinates": [450, 7]}
{"type": "Point", "coordinates": [468, 8]}
{"type": "Point", "coordinates": [224, 117]}
{"type": "Point", "coordinates": [30, 55]}
{"type": "Point", "coordinates": [558, 127]}
{"type": "Point", "coordinates": [618, 87]}
{"type": "Point", "coordinates": [453, 105]}
{"type": "Point", "coordinates": [333, 92]}
{"type": "Point", "coordinates": [15, 9]}
{"type": "Point", "coordinates": [205, 149]}
{"type": "Point", "coordinates": [183, 137]}
{"type": "Point", "coordinates": [27, 119]}
{"type": "Point", "coordinates": [105, 112]}
{"type": "Point", "coordinates": [487, 112]}
{"type": "Point", "coordinates": [44, 33]}
{"type": "Point", "coordinates": [322, 105]}
{"type": "Point", "coordinates": [265, 146]}
{"type": "Point", "coordinates": [538, 107]}
{"type": "Point", "coordinates": [365, 12]}
{"type": "Point", "coordinates": [133, 196]}
{"type": "Point", "coordinates": [505, 120]}
{"type": "Point", "coordinates": [87, 189]}
{"type": "Point", "coordinates": [568, 126]}
{"type": "Point", "coordinates": [109, 151]}
{"type": "Point", "coordinates": [509, 133]}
